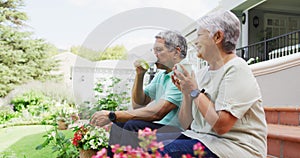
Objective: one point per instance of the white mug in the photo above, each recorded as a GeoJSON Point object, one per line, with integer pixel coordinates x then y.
{"type": "Point", "coordinates": [187, 66]}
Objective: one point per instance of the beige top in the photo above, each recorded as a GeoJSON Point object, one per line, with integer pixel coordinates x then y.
{"type": "Point", "coordinates": [232, 88]}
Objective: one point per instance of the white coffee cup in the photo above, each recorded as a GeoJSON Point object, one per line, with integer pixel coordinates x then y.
{"type": "Point", "coordinates": [187, 66]}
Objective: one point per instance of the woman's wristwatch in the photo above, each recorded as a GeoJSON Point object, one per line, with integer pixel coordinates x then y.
{"type": "Point", "coordinates": [194, 93]}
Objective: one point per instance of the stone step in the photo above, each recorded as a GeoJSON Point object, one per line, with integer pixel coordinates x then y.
{"type": "Point", "coordinates": [283, 141]}
{"type": "Point", "coordinates": [286, 115]}
{"type": "Point", "coordinates": [271, 156]}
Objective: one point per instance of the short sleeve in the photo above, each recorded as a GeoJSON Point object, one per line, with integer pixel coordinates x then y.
{"type": "Point", "coordinates": [150, 89]}
{"type": "Point", "coordinates": [173, 95]}
{"type": "Point", "coordinates": [161, 87]}
{"type": "Point", "coordinates": [238, 90]}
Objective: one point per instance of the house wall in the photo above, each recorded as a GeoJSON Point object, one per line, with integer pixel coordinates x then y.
{"type": "Point", "coordinates": [279, 80]}
{"type": "Point", "coordinates": [281, 88]}
{"type": "Point", "coordinates": [85, 79]}
{"type": "Point", "coordinates": [257, 34]}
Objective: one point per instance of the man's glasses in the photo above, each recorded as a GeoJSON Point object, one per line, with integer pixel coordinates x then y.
{"type": "Point", "coordinates": [157, 50]}
{"type": "Point", "coordinates": [160, 49]}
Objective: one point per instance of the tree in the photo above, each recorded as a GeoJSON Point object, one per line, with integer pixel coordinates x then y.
{"type": "Point", "coordinates": [21, 57]}
{"type": "Point", "coordinates": [114, 53]}
{"type": "Point", "coordinates": [117, 52]}
{"type": "Point", "coordinates": [84, 52]}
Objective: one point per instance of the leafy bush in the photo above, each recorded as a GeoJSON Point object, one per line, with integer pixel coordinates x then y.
{"type": "Point", "coordinates": [112, 96]}
{"type": "Point", "coordinates": [60, 143]}
{"type": "Point", "coordinates": [34, 102]}
{"type": "Point", "coordinates": [6, 113]}
{"type": "Point", "coordinates": [117, 52]}
{"type": "Point", "coordinates": [41, 103]}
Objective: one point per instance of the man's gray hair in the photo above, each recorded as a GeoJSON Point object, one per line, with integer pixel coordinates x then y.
{"type": "Point", "coordinates": [226, 22]}
{"type": "Point", "coordinates": [174, 39]}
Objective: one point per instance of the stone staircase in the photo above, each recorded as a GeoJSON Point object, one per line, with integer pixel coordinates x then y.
{"type": "Point", "coordinates": [283, 131]}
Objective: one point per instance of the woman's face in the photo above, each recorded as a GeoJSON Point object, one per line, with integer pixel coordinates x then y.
{"type": "Point", "coordinates": [206, 46]}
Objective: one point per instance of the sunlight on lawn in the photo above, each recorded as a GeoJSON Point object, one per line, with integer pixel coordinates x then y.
{"type": "Point", "coordinates": [11, 135]}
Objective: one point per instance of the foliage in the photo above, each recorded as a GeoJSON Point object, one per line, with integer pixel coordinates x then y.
{"type": "Point", "coordinates": [85, 53]}
{"type": "Point", "coordinates": [65, 113]}
{"type": "Point", "coordinates": [33, 101]}
{"type": "Point", "coordinates": [86, 110]}
{"type": "Point", "coordinates": [9, 13]}
{"type": "Point", "coordinates": [6, 113]}
{"type": "Point", "coordinates": [253, 61]}
{"type": "Point", "coordinates": [90, 137]}
{"type": "Point", "coordinates": [114, 53]}
{"type": "Point", "coordinates": [60, 144]}
{"type": "Point", "coordinates": [21, 57]}
{"type": "Point", "coordinates": [112, 96]}
{"type": "Point", "coordinates": [117, 52]}
{"type": "Point", "coordinates": [39, 107]}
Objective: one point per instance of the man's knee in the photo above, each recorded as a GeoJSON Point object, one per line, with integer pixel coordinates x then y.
{"type": "Point", "coordinates": [133, 125]}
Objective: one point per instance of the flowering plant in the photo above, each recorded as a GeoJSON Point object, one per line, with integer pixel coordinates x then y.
{"type": "Point", "coordinates": [149, 148]}
{"type": "Point", "coordinates": [59, 143]}
{"type": "Point", "coordinates": [90, 137]}
{"type": "Point", "coordinates": [64, 113]}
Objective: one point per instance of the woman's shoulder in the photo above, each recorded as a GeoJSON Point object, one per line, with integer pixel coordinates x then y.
{"type": "Point", "coordinates": [238, 63]}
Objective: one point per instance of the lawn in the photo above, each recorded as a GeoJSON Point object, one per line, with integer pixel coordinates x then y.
{"type": "Point", "coordinates": [20, 142]}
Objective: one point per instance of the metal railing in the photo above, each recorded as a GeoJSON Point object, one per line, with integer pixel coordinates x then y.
{"type": "Point", "coordinates": [271, 48]}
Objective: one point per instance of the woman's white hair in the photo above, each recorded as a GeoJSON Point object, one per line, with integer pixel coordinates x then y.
{"type": "Point", "coordinates": [226, 22]}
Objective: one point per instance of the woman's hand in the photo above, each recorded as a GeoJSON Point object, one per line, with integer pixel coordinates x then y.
{"type": "Point", "coordinates": [175, 81]}
{"type": "Point", "coordinates": [184, 81]}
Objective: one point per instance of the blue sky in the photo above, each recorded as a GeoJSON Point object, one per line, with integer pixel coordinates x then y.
{"type": "Point", "coordinates": [66, 23]}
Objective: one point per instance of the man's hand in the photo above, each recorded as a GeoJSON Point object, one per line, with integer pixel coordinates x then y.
{"type": "Point", "coordinates": [100, 118]}
{"type": "Point", "coordinates": [141, 66]}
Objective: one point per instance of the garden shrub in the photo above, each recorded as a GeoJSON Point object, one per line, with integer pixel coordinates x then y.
{"type": "Point", "coordinates": [33, 101]}
{"type": "Point", "coordinates": [60, 143]}
{"type": "Point", "coordinates": [6, 113]}
{"type": "Point", "coordinates": [111, 95]}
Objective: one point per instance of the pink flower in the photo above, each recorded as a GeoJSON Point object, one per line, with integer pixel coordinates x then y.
{"type": "Point", "coordinates": [198, 146]}
{"type": "Point", "coordinates": [114, 148]}
{"type": "Point", "coordinates": [187, 156]}
{"type": "Point", "coordinates": [147, 132]}
{"type": "Point", "coordinates": [198, 149]}
{"type": "Point", "coordinates": [100, 154]}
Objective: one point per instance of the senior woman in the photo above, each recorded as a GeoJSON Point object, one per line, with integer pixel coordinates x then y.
{"type": "Point", "coordinates": [222, 103]}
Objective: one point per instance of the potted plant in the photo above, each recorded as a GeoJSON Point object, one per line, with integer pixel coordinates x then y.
{"type": "Point", "coordinates": [90, 139]}
{"type": "Point", "coordinates": [65, 116]}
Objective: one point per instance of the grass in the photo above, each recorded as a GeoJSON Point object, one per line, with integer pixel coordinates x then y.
{"type": "Point", "coordinates": [20, 142]}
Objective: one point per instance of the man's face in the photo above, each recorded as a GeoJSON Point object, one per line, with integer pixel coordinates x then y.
{"type": "Point", "coordinates": [163, 55]}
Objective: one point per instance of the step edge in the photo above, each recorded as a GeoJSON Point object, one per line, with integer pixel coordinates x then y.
{"type": "Point", "coordinates": [275, 132]}
{"type": "Point", "coordinates": [282, 108]}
